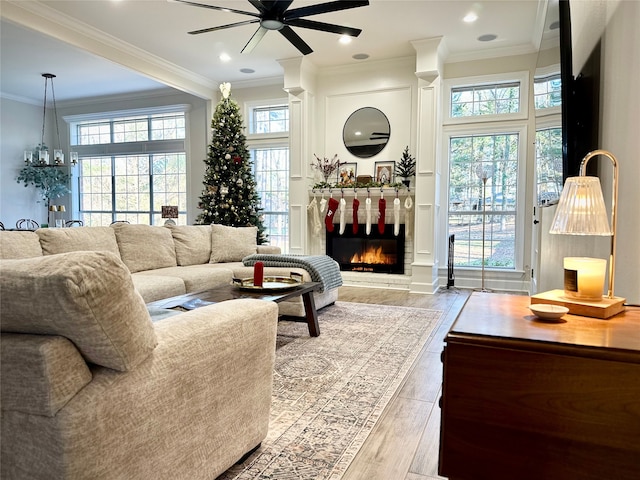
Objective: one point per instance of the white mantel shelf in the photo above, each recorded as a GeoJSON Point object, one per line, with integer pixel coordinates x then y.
{"type": "Point", "coordinates": [351, 192]}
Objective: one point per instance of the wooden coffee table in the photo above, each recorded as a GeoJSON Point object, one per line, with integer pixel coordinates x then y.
{"type": "Point", "coordinates": [231, 292]}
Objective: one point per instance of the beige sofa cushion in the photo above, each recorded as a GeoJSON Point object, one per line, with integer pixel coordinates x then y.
{"type": "Point", "coordinates": [63, 240]}
{"type": "Point", "coordinates": [232, 244]}
{"type": "Point", "coordinates": [19, 245]}
{"type": "Point", "coordinates": [192, 243]}
{"type": "Point", "coordinates": [40, 373]}
{"type": "Point", "coordinates": [87, 297]}
{"type": "Point", "coordinates": [144, 247]}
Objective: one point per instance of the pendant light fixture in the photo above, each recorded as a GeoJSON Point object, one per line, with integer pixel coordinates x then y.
{"type": "Point", "coordinates": [40, 156]}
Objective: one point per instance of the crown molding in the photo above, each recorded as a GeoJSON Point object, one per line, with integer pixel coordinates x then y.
{"type": "Point", "coordinates": [40, 17]}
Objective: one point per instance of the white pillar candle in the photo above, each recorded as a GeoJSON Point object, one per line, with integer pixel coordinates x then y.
{"type": "Point", "coordinates": [584, 277]}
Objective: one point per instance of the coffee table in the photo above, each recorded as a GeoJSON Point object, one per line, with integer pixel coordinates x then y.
{"type": "Point", "coordinates": [231, 292]}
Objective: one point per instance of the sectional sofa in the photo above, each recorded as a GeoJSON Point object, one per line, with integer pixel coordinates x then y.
{"type": "Point", "coordinates": [164, 261]}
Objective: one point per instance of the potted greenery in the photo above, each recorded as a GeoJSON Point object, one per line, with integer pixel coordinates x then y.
{"type": "Point", "coordinates": [407, 166]}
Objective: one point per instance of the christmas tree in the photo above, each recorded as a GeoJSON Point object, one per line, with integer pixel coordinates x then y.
{"type": "Point", "coordinates": [407, 166]}
{"type": "Point", "coordinates": [229, 197]}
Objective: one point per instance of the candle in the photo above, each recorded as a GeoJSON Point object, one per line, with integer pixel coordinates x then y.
{"type": "Point", "coordinates": [584, 277]}
{"type": "Point", "coordinates": [258, 274]}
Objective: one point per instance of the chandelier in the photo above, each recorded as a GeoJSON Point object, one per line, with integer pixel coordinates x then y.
{"type": "Point", "coordinates": [40, 155]}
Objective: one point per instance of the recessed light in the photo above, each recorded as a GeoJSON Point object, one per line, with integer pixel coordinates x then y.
{"type": "Point", "coordinates": [470, 17]}
{"type": "Point", "coordinates": [345, 39]}
{"type": "Point", "coordinates": [360, 56]}
{"type": "Point", "coordinates": [224, 57]}
{"type": "Point", "coordinates": [247, 70]}
{"type": "Point", "coordinates": [487, 37]}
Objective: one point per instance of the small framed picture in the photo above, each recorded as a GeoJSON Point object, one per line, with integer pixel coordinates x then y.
{"type": "Point", "coordinates": [347, 173]}
{"type": "Point", "coordinates": [384, 172]}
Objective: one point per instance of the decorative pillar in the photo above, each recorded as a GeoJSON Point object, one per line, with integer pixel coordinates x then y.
{"type": "Point", "coordinates": [425, 265]}
{"type": "Point", "coordinates": [299, 83]}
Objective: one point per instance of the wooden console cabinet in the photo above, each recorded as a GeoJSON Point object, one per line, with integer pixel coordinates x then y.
{"type": "Point", "coordinates": [526, 399]}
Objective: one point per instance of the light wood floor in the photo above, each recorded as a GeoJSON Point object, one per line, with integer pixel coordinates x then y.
{"type": "Point", "coordinates": [404, 443]}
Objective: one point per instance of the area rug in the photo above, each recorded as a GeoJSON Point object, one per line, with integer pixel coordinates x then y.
{"type": "Point", "coordinates": [330, 390]}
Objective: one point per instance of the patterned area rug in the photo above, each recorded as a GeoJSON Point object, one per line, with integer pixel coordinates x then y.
{"type": "Point", "coordinates": [329, 391]}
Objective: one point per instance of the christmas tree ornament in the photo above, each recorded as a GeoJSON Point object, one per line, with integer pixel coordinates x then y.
{"type": "Point", "coordinates": [239, 182]}
{"type": "Point", "coordinates": [227, 156]}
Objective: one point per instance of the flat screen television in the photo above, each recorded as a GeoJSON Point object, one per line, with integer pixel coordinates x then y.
{"type": "Point", "coordinates": [580, 101]}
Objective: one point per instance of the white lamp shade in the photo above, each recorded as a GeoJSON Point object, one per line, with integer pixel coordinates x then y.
{"type": "Point", "coordinates": [581, 209]}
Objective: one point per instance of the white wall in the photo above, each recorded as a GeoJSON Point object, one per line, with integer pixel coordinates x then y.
{"type": "Point", "coordinates": [21, 128]}
{"type": "Point", "coordinates": [619, 133]}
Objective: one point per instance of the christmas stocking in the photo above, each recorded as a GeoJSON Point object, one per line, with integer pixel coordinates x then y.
{"type": "Point", "coordinates": [408, 216]}
{"type": "Point", "coordinates": [382, 206]}
{"type": "Point", "coordinates": [367, 209]}
{"type": "Point", "coordinates": [312, 208]}
{"type": "Point", "coordinates": [328, 219]}
{"type": "Point", "coordinates": [356, 205]}
{"type": "Point", "coordinates": [343, 207]}
{"type": "Point", "coordinates": [396, 216]}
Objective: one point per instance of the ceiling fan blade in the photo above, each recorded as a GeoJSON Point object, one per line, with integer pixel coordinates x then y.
{"type": "Point", "coordinates": [222, 27]}
{"type": "Point", "coordinates": [272, 6]}
{"type": "Point", "coordinates": [254, 40]}
{"type": "Point", "coordinates": [213, 7]}
{"type": "Point", "coordinates": [324, 27]}
{"type": "Point", "coordinates": [260, 6]}
{"type": "Point", "coordinates": [295, 39]}
{"type": "Point", "coordinates": [324, 8]}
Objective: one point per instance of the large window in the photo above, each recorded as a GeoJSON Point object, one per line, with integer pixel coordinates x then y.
{"type": "Point", "coordinates": [483, 180]}
{"type": "Point", "coordinates": [485, 132]}
{"type": "Point", "coordinates": [268, 143]}
{"type": "Point", "coordinates": [130, 166]}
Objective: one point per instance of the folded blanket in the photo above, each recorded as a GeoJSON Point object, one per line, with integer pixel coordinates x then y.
{"type": "Point", "coordinates": [321, 268]}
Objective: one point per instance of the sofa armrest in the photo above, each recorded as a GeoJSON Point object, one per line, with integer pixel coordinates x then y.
{"type": "Point", "coordinates": [272, 249]}
{"type": "Point", "coordinates": [205, 388]}
{"type": "Point", "coordinates": [40, 373]}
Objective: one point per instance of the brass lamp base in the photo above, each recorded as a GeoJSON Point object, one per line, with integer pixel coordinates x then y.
{"type": "Point", "coordinates": [605, 308]}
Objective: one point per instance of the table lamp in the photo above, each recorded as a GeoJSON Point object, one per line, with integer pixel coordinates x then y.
{"type": "Point", "coordinates": [581, 211]}
{"type": "Point", "coordinates": [169, 212]}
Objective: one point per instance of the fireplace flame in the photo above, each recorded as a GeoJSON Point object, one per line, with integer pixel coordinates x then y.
{"type": "Point", "coordinates": [373, 256]}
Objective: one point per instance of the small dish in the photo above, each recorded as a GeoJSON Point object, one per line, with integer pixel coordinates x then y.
{"type": "Point", "coordinates": [548, 311]}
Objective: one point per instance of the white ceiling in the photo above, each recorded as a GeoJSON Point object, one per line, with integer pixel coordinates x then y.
{"type": "Point", "coordinates": [105, 47]}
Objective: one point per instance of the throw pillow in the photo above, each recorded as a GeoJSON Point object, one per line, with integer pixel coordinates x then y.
{"type": "Point", "coordinates": [232, 244]}
{"type": "Point", "coordinates": [192, 242]}
{"type": "Point", "coordinates": [63, 240]}
{"type": "Point", "coordinates": [15, 244]}
{"type": "Point", "coordinates": [87, 297]}
{"type": "Point", "coordinates": [145, 247]}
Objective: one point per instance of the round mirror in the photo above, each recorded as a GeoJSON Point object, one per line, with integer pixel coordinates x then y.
{"type": "Point", "coordinates": [366, 132]}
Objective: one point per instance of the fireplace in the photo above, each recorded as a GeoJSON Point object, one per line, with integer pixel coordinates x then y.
{"type": "Point", "coordinates": [378, 253]}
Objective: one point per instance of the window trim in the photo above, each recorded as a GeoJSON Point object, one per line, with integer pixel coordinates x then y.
{"type": "Point", "coordinates": [521, 77]}
{"type": "Point", "coordinates": [488, 128]}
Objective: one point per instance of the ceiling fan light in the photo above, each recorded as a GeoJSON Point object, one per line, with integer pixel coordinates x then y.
{"type": "Point", "coordinates": [271, 24]}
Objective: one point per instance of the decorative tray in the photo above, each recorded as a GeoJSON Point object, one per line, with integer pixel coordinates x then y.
{"type": "Point", "coordinates": [269, 283]}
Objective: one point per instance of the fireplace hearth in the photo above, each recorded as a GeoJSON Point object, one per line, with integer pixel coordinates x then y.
{"type": "Point", "coordinates": [377, 253]}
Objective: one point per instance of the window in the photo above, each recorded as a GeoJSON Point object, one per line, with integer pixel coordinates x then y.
{"type": "Point", "coordinates": [472, 158]}
{"type": "Point", "coordinates": [547, 91]}
{"type": "Point", "coordinates": [268, 143]}
{"type": "Point", "coordinates": [130, 166]}
{"type": "Point", "coordinates": [485, 142]}
{"type": "Point", "coordinates": [493, 99]}
{"type": "Point", "coordinates": [548, 165]}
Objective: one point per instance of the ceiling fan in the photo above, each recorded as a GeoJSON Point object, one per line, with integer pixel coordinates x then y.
{"type": "Point", "coordinates": [274, 15]}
